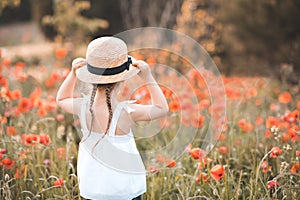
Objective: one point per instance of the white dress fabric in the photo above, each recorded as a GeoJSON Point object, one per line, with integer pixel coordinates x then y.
{"type": "Point", "coordinates": [109, 166]}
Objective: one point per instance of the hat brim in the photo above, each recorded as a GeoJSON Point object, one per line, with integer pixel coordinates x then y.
{"type": "Point", "coordinates": [84, 75]}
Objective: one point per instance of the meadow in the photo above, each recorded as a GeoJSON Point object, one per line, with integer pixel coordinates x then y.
{"type": "Point", "coordinates": [255, 155]}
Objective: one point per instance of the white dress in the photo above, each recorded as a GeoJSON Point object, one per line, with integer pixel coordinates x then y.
{"type": "Point", "coordinates": [109, 166]}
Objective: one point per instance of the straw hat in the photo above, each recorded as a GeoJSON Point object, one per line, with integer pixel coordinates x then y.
{"type": "Point", "coordinates": [107, 62]}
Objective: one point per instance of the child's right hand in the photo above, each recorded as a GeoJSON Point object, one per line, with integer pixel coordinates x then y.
{"type": "Point", "coordinates": [145, 72]}
{"type": "Point", "coordinates": [77, 63]}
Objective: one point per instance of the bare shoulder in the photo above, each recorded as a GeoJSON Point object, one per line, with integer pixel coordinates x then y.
{"type": "Point", "coordinates": [71, 105]}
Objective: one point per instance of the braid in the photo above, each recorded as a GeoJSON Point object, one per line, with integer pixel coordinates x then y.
{"type": "Point", "coordinates": [93, 94]}
{"type": "Point", "coordinates": [108, 90]}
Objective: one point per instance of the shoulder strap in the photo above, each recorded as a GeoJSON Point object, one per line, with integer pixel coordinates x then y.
{"type": "Point", "coordinates": [122, 105]}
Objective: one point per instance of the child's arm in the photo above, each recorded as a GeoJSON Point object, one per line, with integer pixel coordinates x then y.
{"type": "Point", "coordinates": [159, 106]}
{"type": "Point", "coordinates": [65, 96]}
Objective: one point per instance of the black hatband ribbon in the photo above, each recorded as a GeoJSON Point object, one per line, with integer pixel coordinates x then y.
{"type": "Point", "coordinates": [109, 71]}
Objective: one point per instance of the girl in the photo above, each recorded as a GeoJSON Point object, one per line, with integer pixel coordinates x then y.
{"type": "Point", "coordinates": [109, 164]}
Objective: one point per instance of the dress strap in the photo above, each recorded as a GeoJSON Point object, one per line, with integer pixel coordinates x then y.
{"type": "Point", "coordinates": [122, 105]}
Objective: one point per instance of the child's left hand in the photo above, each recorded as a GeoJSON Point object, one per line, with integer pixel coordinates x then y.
{"type": "Point", "coordinates": [77, 63]}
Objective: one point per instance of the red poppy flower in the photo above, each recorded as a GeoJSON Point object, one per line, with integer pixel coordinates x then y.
{"type": "Point", "coordinates": [24, 105]}
{"type": "Point", "coordinates": [61, 53]}
{"type": "Point", "coordinates": [60, 117]}
{"type": "Point", "coordinates": [3, 151]}
{"type": "Point", "coordinates": [10, 130]}
{"type": "Point", "coordinates": [29, 139]}
{"type": "Point", "coordinates": [217, 172]}
{"type": "Point", "coordinates": [7, 163]}
{"type": "Point", "coordinates": [259, 121]}
{"type": "Point", "coordinates": [203, 177]}
{"type": "Point", "coordinates": [174, 106]}
{"type": "Point", "coordinates": [198, 122]}
{"type": "Point", "coordinates": [15, 94]}
{"type": "Point", "coordinates": [197, 153]}
{"type": "Point", "coordinates": [59, 182]}
{"type": "Point", "coordinates": [285, 98]}
{"type": "Point", "coordinates": [223, 150]}
{"type": "Point", "coordinates": [160, 158]}
{"type": "Point", "coordinates": [275, 151]}
{"type": "Point", "coordinates": [171, 163]}
{"type": "Point", "coordinates": [61, 152]}
{"type": "Point", "coordinates": [44, 139]}
{"type": "Point", "coordinates": [153, 169]}
{"type": "Point", "coordinates": [265, 166]}
{"type": "Point", "coordinates": [20, 173]}
{"type": "Point", "coordinates": [271, 184]}
{"type": "Point", "coordinates": [6, 62]}
{"type": "Point", "coordinates": [245, 126]}
{"type": "Point", "coordinates": [295, 168]}
{"type": "Point", "coordinates": [297, 153]}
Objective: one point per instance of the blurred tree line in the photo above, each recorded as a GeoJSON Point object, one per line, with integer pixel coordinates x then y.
{"type": "Point", "coordinates": [248, 37]}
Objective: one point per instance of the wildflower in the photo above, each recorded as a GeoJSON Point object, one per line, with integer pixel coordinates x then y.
{"type": "Point", "coordinates": [245, 126]}
{"type": "Point", "coordinates": [24, 105]}
{"type": "Point", "coordinates": [223, 150]}
{"type": "Point", "coordinates": [44, 139]}
{"type": "Point", "coordinates": [47, 162]}
{"type": "Point", "coordinates": [295, 168]}
{"type": "Point", "coordinates": [61, 152]}
{"type": "Point", "coordinates": [10, 130]}
{"type": "Point", "coordinates": [171, 163]}
{"type": "Point", "coordinates": [35, 96]}
{"type": "Point", "coordinates": [220, 136]}
{"type": "Point", "coordinates": [153, 169]}
{"type": "Point", "coordinates": [259, 121]}
{"type": "Point", "coordinates": [7, 163]}
{"type": "Point", "coordinates": [217, 172]}
{"type": "Point", "coordinates": [160, 158]}
{"type": "Point", "coordinates": [6, 62]}
{"type": "Point", "coordinates": [203, 177]}
{"type": "Point", "coordinates": [29, 139]}
{"type": "Point", "coordinates": [3, 151]}
{"type": "Point", "coordinates": [198, 122]}
{"type": "Point", "coordinates": [15, 94]}
{"type": "Point", "coordinates": [285, 98]}
{"type": "Point", "coordinates": [202, 162]}
{"type": "Point", "coordinates": [167, 92]}
{"type": "Point", "coordinates": [265, 166]}
{"type": "Point", "coordinates": [275, 151]}
{"type": "Point", "coordinates": [271, 184]}
{"type": "Point", "coordinates": [52, 79]}
{"type": "Point", "coordinates": [42, 112]}
{"type": "Point", "coordinates": [197, 153]}
{"type": "Point", "coordinates": [23, 154]}
{"type": "Point", "coordinates": [204, 103]}
{"type": "Point", "coordinates": [298, 153]}
{"type": "Point", "coordinates": [20, 173]}
{"type": "Point", "coordinates": [60, 117]}
{"type": "Point", "coordinates": [174, 106]}
{"type": "Point", "coordinates": [61, 53]}
{"type": "Point", "coordinates": [59, 182]}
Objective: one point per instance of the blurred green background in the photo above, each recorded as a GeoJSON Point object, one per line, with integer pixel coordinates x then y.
{"type": "Point", "coordinates": [244, 37]}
